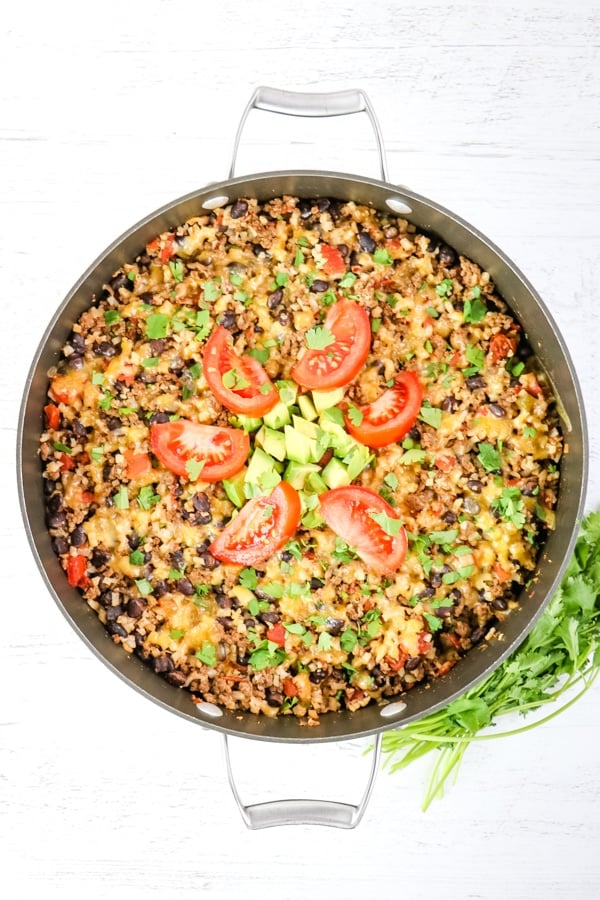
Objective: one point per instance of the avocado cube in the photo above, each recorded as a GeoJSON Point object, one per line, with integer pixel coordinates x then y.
{"type": "Point", "coordinates": [325, 399]}
{"type": "Point", "coordinates": [335, 474]}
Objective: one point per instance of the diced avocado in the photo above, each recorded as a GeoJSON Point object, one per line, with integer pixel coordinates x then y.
{"type": "Point", "coordinates": [314, 482]}
{"type": "Point", "coordinates": [274, 443]}
{"type": "Point", "coordinates": [307, 408]}
{"type": "Point", "coordinates": [299, 447]}
{"type": "Point", "coordinates": [278, 416]}
{"type": "Point", "coordinates": [297, 473]}
{"type": "Point", "coordinates": [260, 462]}
{"type": "Point", "coordinates": [340, 441]}
{"type": "Point", "coordinates": [245, 422]}
{"type": "Point", "coordinates": [335, 474]}
{"type": "Point", "coordinates": [325, 399]}
{"type": "Point", "coordinates": [288, 391]}
{"type": "Point", "coordinates": [357, 459]}
{"type": "Point", "coordinates": [331, 416]}
{"type": "Point", "coordinates": [310, 429]}
{"type": "Point", "coordinates": [234, 488]}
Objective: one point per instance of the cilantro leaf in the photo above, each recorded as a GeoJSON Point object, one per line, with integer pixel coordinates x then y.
{"type": "Point", "coordinates": [319, 337]}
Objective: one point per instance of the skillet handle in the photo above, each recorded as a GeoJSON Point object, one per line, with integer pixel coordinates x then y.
{"type": "Point", "coordinates": [295, 103]}
{"type": "Point", "coordinates": [304, 812]}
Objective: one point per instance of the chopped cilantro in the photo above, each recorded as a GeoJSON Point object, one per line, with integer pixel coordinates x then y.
{"type": "Point", "coordinates": [389, 524]}
{"type": "Point", "coordinates": [193, 468]}
{"type": "Point", "coordinates": [355, 415]}
{"type": "Point", "coordinates": [157, 326]}
{"type": "Point", "coordinates": [382, 257]}
{"type": "Point", "coordinates": [489, 457]}
{"type": "Point", "coordinates": [111, 317]}
{"type": "Point", "coordinates": [319, 337]}
{"type": "Point", "coordinates": [248, 578]}
{"type": "Point", "coordinates": [98, 378]}
{"type": "Point", "coordinates": [137, 558]}
{"type": "Point", "coordinates": [121, 498]}
{"type": "Point", "coordinates": [431, 415]}
{"type": "Point", "coordinates": [143, 586]}
{"type": "Point", "coordinates": [207, 654]}
{"type": "Point", "coordinates": [211, 291]}
{"type": "Point", "coordinates": [146, 497]}
{"type": "Point", "coordinates": [176, 267]}
{"type": "Point", "coordinates": [474, 310]}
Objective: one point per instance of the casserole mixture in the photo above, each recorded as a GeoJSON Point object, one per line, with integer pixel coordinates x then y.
{"type": "Point", "coordinates": [297, 457]}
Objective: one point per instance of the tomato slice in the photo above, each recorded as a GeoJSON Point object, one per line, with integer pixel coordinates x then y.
{"type": "Point", "coordinates": [336, 364]}
{"type": "Point", "coordinates": [391, 416]}
{"type": "Point", "coordinates": [138, 464]}
{"type": "Point", "coordinates": [239, 382]}
{"type": "Point", "coordinates": [223, 451]}
{"type": "Point", "coordinates": [260, 529]}
{"type": "Point", "coordinates": [350, 512]}
{"type": "Point", "coordinates": [334, 261]}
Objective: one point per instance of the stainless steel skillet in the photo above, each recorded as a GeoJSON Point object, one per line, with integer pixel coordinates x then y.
{"type": "Point", "coordinates": [543, 335]}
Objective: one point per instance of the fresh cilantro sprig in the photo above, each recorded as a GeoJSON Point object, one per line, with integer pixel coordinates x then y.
{"type": "Point", "coordinates": [556, 664]}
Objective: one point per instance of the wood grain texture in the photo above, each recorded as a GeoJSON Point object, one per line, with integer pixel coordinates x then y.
{"type": "Point", "coordinates": [106, 113]}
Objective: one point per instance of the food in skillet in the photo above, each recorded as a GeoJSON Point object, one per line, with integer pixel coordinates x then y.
{"type": "Point", "coordinates": [297, 457]}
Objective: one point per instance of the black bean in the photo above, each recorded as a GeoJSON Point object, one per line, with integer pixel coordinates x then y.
{"type": "Point", "coordinates": [121, 281]}
{"type": "Point", "coordinates": [274, 697]}
{"type": "Point", "coordinates": [162, 664]}
{"type": "Point", "coordinates": [48, 487]}
{"type": "Point", "coordinates": [335, 210]}
{"type": "Point", "coordinates": [443, 612]}
{"type": "Point", "coordinates": [222, 600]}
{"type": "Point", "coordinates": [323, 204]}
{"type": "Point", "coordinates": [60, 546]}
{"type": "Point", "coordinates": [113, 613]}
{"type": "Point", "coordinates": [316, 584]}
{"type": "Point", "coordinates": [105, 349]}
{"type": "Point", "coordinates": [497, 410]}
{"type": "Point", "coordinates": [305, 207]}
{"type": "Point", "coordinates": [77, 342]}
{"type": "Point", "coordinates": [158, 418]}
{"type": "Point", "coordinates": [286, 556]}
{"type": "Point", "coordinates": [269, 618]}
{"type": "Point", "coordinates": [474, 485]}
{"type": "Point", "coordinates": [113, 423]}
{"type": "Point", "coordinates": [228, 319]}
{"type": "Point", "coordinates": [79, 429]}
{"type": "Point", "coordinates": [105, 599]}
{"type": "Point", "coordinates": [450, 517]}
{"type": "Point", "coordinates": [209, 561]}
{"type": "Point", "coordinates": [274, 299]}
{"type": "Point", "coordinates": [412, 663]}
{"type": "Point", "coordinates": [157, 346]}
{"type": "Point", "coordinates": [471, 506]}
{"type": "Point", "coordinates": [203, 546]}
{"type": "Point", "coordinates": [57, 520]}
{"type": "Point", "coordinates": [55, 503]}
{"type": "Point", "coordinates": [78, 537]}
{"type": "Point", "coordinates": [435, 579]}
{"type": "Point", "coordinates": [334, 626]}
{"type": "Point", "coordinates": [366, 242]}
{"type": "Point", "coordinates": [477, 635]}
{"type": "Point", "coordinates": [200, 501]}
{"type": "Point", "coordinates": [317, 676]}
{"type": "Point", "coordinates": [76, 361]}
{"type": "Point", "coordinates": [475, 382]}
{"type": "Point", "coordinates": [239, 209]}
{"type": "Point", "coordinates": [446, 256]}
{"type": "Point", "coordinates": [530, 489]}
{"type": "Point", "coordinates": [283, 318]}
{"type": "Point", "coordinates": [450, 403]}
{"type": "Point", "coordinates": [159, 588]}
{"type": "Point", "coordinates": [250, 622]}
{"type": "Point", "coordinates": [414, 434]}
{"type": "Point", "coordinates": [177, 559]}
{"type": "Point", "coordinates": [455, 594]}
{"type": "Point", "coordinates": [115, 628]}
{"type": "Point", "coordinates": [259, 250]}
{"type": "Point", "coordinates": [499, 603]}
{"type": "Point", "coordinates": [176, 678]}
{"type": "Point", "coordinates": [133, 540]}
{"type": "Point", "coordinates": [185, 586]}
{"type": "Point", "coordinates": [226, 622]}
{"type": "Point", "coordinates": [427, 592]}
{"type": "Point", "coordinates": [136, 607]}
{"type": "Point", "coordinates": [318, 286]}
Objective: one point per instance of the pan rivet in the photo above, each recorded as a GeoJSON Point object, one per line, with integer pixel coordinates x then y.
{"type": "Point", "coordinates": [398, 206]}
{"type": "Point", "coordinates": [215, 202]}
{"type": "Point", "coordinates": [209, 709]}
{"type": "Point", "coordinates": [392, 709]}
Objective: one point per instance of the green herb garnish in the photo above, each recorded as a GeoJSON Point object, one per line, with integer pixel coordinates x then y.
{"type": "Point", "coordinates": [319, 337]}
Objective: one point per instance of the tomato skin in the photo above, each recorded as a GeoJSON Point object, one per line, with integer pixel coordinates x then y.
{"type": "Point", "coordinates": [252, 536]}
{"type": "Point", "coordinates": [220, 358]}
{"type": "Point", "coordinates": [223, 450]}
{"type": "Point", "coordinates": [168, 249]}
{"type": "Point", "coordinates": [445, 462]}
{"type": "Point", "coordinates": [501, 346]}
{"type": "Point", "coordinates": [391, 416]}
{"type": "Point", "coordinates": [76, 569]}
{"type": "Point", "coordinates": [52, 414]}
{"type": "Point", "coordinates": [290, 688]}
{"type": "Point", "coordinates": [347, 511]}
{"type": "Point", "coordinates": [334, 261]}
{"type": "Point", "coordinates": [336, 365]}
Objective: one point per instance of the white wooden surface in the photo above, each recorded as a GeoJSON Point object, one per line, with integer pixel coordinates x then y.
{"type": "Point", "coordinates": [108, 111]}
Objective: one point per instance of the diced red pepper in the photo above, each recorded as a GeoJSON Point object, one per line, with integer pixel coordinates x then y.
{"type": "Point", "coordinates": [168, 249]}
{"type": "Point", "coordinates": [290, 689]}
{"type": "Point", "coordinates": [66, 462]}
{"type": "Point", "coordinates": [445, 461]}
{"type": "Point", "coordinates": [138, 464]}
{"type": "Point", "coordinates": [334, 261]}
{"type": "Point", "coordinates": [531, 385]}
{"type": "Point", "coordinates": [52, 415]}
{"type": "Point", "coordinates": [276, 634]}
{"type": "Point", "coordinates": [501, 574]}
{"type": "Point", "coordinates": [76, 567]}
{"type": "Point", "coordinates": [501, 346]}
{"type": "Point", "coordinates": [424, 644]}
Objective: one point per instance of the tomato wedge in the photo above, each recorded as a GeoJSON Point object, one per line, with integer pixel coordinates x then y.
{"type": "Point", "coordinates": [260, 529]}
{"type": "Point", "coordinates": [366, 522]}
{"type": "Point", "coordinates": [334, 261]}
{"type": "Point", "coordinates": [239, 382]}
{"type": "Point", "coordinates": [391, 416]}
{"type": "Point", "coordinates": [223, 451]}
{"type": "Point", "coordinates": [338, 362]}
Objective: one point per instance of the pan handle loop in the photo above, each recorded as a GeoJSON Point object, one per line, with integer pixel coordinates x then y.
{"type": "Point", "coordinates": [305, 812]}
{"type": "Point", "coordinates": [296, 103]}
